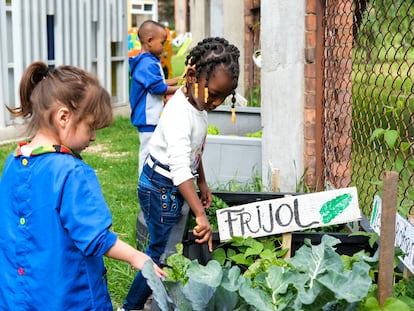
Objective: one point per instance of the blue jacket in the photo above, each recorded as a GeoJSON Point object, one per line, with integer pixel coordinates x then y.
{"type": "Point", "coordinates": [54, 230]}
{"type": "Point", "coordinates": [147, 89]}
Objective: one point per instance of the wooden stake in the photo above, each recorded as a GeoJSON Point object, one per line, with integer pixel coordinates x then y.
{"type": "Point", "coordinates": [287, 244]}
{"type": "Point", "coordinates": [387, 237]}
{"type": "Point", "coordinates": [275, 179]}
{"type": "Point", "coordinates": [286, 237]}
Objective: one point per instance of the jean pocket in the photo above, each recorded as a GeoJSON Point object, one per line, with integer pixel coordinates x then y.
{"type": "Point", "coordinates": [171, 203]}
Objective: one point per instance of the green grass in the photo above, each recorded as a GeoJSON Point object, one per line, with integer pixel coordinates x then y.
{"type": "Point", "coordinates": [177, 63]}
{"type": "Point", "coordinates": [114, 156]}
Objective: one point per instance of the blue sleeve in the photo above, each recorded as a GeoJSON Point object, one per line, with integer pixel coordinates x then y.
{"type": "Point", "coordinates": [84, 212]}
{"type": "Point", "coordinates": [149, 74]}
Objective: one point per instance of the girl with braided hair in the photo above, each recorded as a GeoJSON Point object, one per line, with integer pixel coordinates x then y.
{"type": "Point", "coordinates": [174, 165]}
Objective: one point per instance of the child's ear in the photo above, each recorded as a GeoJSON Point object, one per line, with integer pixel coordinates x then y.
{"type": "Point", "coordinates": [190, 74]}
{"type": "Point", "coordinates": [62, 117]}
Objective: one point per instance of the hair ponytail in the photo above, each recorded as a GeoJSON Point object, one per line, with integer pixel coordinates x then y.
{"type": "Point", "coordinates": [30, 79]}
{"type": "Point", "coordinates": [44, 90]}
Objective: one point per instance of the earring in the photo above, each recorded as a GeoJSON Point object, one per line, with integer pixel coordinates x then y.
{"type": "Point", "coordinates": [205, 94]}
{"type": "Point", "coordinates": [196, 90]}
{"type": "Point", "coordinates": [233, 110]}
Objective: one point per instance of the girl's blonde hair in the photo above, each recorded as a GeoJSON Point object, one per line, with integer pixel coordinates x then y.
{"type": "Point", "coordinates": [44, 90]}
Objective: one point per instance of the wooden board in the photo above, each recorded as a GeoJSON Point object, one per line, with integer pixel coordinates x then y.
{"type": "Point", "coordinates": [289, 214]}
{"type": "Point", "coordinates": [404, 233]}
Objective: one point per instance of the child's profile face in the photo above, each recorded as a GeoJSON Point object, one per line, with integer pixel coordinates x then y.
{"type": "Point", "coordinates": [220, 85]}
{"type": "Point", "coordinates": [79, 134]}
{"type": "Point", "coordinates": [156, 42]}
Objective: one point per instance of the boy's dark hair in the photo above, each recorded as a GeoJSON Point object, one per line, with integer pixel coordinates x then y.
{"type": "Point", "coordinates": [147, 28]}
{"type": "Point", "coordinates": [211, 52]}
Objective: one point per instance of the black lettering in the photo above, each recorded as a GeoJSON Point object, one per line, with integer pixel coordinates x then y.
{"type": "Point", "coordinates": [278, 220]}
{"type": "Point", "coordinates": [270, 218]}
{"type": "Point", "coordinates": [297, 219]}
{"type": "Point", "coordinates": [230, 219]}
{"type": "Point", "coordinates": [246, 222]}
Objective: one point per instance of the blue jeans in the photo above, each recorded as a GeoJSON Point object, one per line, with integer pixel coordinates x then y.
{"type": "Point", "coordinates": [161, 204]}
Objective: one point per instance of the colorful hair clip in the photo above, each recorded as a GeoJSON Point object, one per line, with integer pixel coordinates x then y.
{"type": "Point", "coordinates": [196, 90]}
{"type": "Point", "coordinates": [233, 115]}
{"type": "Point", "coordinates": [233, 110]}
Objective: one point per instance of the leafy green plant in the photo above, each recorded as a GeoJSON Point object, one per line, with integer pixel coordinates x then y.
{"type": "Point", "coordinates": [254, 184]}
{"type": "Point", "coordinates": [212, 130]}
{"type": "Point", "coordinates": [251, 255]}
{"type": "Point", "coordinates": [257, 134]}
{"type": "Point", "coordinates": [217, 204]}
{"type": "Point", "coordinates": [254, 97]}
{"type": "Point", "coordinates": [316, 278]}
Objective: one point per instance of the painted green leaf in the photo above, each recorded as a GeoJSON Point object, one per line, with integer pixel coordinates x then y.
{"type": "Point", "coordinates": [334, 207]}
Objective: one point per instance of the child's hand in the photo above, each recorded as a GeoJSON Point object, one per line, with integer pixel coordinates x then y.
{"type": "Point", "coordinates": [206, 197]}
{"type": "Point", "coordinates": [158, 271]}
{"type": "Point", "coordinates": [203, 232]}
{"type": "Point", "coordinates": [141, 259]}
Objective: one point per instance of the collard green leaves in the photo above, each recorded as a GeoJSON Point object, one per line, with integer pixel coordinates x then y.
{"type": "Point", "coordinates": [316, 278]}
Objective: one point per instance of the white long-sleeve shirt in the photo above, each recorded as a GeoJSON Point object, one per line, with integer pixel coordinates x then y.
{"type": "Point", "coordinates": [179, 138]}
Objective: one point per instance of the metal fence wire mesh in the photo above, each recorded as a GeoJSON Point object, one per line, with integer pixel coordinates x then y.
{"type": "Point", "coordinates": [368, 117]}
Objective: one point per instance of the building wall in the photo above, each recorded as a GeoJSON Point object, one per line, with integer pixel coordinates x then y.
{"type": "Point", "coordinates": [282, 90]}
{"type": "Point", "coordinates": [200, 20]}
{"type": "Point", "coordinates": [181, 16]}
{"type": "Point", "coordinates": [282, 42]}
{"type": "Point", "coordinates": [139, 11]}
{"type": "Point", "coordinates": [233, 30]}
{"type": "Point", "coordinates": [221, 18]}
{"type": "Point", "coordinates": [91, 34]}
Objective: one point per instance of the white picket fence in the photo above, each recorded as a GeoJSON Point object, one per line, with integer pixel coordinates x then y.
{"type": "Point", "coordinates": [91, 34]}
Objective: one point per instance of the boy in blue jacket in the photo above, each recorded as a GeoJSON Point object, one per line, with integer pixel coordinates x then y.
{"type": "Point", "coordinates": [148, 84]}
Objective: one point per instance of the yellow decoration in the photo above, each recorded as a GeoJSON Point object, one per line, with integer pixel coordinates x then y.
{"type": "Point", "coordinates": [167, 55]}
{"type": "Point", "coordinates": [195, 90]}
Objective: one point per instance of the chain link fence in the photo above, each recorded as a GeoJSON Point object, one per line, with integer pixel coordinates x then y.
{"type": "Point", "coordinates": [368, 117]}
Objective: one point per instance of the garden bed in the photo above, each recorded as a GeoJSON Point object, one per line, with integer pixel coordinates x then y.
{"type": "Point", "coordinates": [231, 155]}
{"type": "Point", "coordinates": [181, 233]}
{"type": "Point", "coordinates": [234, 159]}
{"type": "Point", "coordinates": [248, 120]}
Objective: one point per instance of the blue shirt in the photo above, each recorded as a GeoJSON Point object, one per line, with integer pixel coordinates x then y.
{"type": "Point", "coordinates": [54, 230]}
{"type": "Point", "coordinates": [147, 89]}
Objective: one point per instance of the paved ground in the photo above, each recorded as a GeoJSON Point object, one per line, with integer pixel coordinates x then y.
{"type": "Point", "coordinates": [11, 133]}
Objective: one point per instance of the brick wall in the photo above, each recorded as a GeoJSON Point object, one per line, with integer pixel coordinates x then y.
{"type": "Point", "coordinates": [310, 111]}
{"type": "Point", "coordinates": [251, 43]}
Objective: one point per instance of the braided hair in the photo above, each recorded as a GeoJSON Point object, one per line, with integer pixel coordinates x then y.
{"type": "Point", "coordinates": [212, 52]}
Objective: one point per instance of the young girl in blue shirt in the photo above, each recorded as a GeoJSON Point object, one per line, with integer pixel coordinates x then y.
{"type": "Point", "coordinates": [54, 221]}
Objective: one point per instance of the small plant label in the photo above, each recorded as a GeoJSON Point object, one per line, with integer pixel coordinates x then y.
{"type": "Point", "coordinates": [289, 214]}
{"type": "Point", "coordinates": [404, 233]}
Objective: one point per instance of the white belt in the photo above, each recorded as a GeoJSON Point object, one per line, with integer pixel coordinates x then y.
{"type": "Point", "coordinates": [158, 168]}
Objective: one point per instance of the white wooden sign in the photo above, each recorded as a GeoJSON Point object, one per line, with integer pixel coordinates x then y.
{"type": "Point", "coordinates": [404, 233]}
{"type": "Point", "coordinates": [289, 214]}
